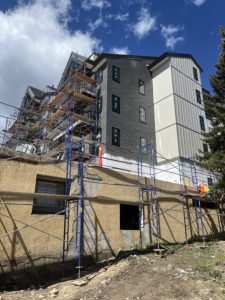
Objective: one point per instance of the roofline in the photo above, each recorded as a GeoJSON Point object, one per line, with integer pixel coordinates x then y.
{"type": "Point", "coordinates": [173, 54]}
{"type": "Point", "coordinates": [116, 56]}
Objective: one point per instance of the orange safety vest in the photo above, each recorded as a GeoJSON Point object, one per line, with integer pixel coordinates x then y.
{"type": "Point", "coordinates": [201, 189]}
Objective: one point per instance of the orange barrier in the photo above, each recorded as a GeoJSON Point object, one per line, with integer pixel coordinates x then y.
{"type": "Point", "coordinates": [100, 155]}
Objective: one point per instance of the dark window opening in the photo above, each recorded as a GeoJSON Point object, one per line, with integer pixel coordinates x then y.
{"type": "Point", "coordinates": [48, 186]}
{"type": "Point", "coordinates": [195, 73]}
{"type": "Point", "coordinates": [116, 74]}
{"type": "Point", "coordinates": [205, 148]}
{"type": "Point", "coordinates": [210, 182]}
{"type": "Point", "coordinates": [115, 136]}
{"type": "Point", "coordinates": [99, 75]}
{"type": "Point", "coordinates": [141, 86]}
{"type": "Point", "coordinates": [202, 123]}
{"type": "Point", "coordinates": [116, 104]}
{"type": "Point", "coordinates": [203, 203]}
{"type": "Point", "coordinates": [198, 96]}
{"type": "Point", "coordinates": [129, 217]}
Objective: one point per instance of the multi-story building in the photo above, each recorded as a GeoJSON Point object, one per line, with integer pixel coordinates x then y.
{"type": "Point", "coordinates": [140, 99]}
{"type": "Point", "coordinates": [155, 99]}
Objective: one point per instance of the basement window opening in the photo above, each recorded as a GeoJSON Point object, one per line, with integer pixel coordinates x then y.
{"type": "Point", "coordinates": [204, 204]}
{"type": "Point", "coordinates": [129, 217]}
{"type": "Point", "coordinates": [46, 185]}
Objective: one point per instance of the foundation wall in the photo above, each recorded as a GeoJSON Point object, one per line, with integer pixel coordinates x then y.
{"type": "Point", "coordinates": [24, 247]}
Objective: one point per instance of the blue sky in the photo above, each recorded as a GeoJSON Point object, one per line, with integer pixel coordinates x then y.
{"type": "Point", "coordinates": [37, 36]}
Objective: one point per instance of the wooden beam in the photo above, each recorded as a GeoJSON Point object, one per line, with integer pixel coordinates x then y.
{"type": "Point", "coordinates": [38, 195]}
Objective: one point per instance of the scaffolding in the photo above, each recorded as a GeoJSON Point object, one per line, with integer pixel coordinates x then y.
{"type": "Point", "coordinates": [61, 126]}
{"type": "Point", "coordinates": [147, 193]}
{"type": "Point", "coordinates": [192, 178]}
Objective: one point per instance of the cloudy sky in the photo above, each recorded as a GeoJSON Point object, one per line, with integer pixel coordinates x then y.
{"type": "Point", "coordinates": [37, 36]}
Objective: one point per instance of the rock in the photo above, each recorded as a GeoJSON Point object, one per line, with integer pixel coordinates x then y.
{"type": "Point", "coordinates": [80, 282]}
{"type": "Point", "coordinates": [54, 291]}
{"type": "Point", "coordinates": [41, 296]}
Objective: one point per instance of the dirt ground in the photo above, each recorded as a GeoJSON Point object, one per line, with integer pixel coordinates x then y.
{"type": "Point", "coordinates": [190, 272]}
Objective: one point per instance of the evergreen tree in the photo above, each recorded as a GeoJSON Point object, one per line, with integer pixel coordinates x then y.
{"type": "Point", "coordinates": [215, 111]}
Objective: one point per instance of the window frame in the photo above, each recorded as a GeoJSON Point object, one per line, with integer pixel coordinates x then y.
{"type": "Point", "coordinates": [55, 206]}
{"type": "Point", "coordinates": [114, 97]}
{"type": "Point", "coordinates": [141, 85]}
{"type": "Point", "coordinates": [114, 143]}
{"type": "Point", "coordinates": [144, 109]}
{"type": "Point", "coordinates": [195, 73]}
{"type": "Point", "coordinates": [205, 148]}
{"type": "Point", "coordinates": [115, 78]}
{"type": "Point", "coordinates": [198, 96]}
{"type": "Point", "coordinates": [143, 138]}
{"type": "Point", "coordinates": [202, 123]}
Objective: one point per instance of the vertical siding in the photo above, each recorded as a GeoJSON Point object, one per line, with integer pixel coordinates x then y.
{"type": "Point", "coordinates": [103, 116]}
{"type": "Point", "coordinates": [185, 65]}
{"type": "Point", "coordinates": [162, 82]}
{"type": "Point", "coordinates": [190, 142]}
{"type": "Point", "coordinates": [164, 110]}
{"type": "Point", "coordinates": [187, 108]}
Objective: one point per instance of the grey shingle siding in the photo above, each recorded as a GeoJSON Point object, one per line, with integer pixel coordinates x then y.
{"type": "Point", "coordinates": [131, 129]}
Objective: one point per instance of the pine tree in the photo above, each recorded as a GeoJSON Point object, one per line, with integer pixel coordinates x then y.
{"type": "Point", "coordinates": [215, 111]}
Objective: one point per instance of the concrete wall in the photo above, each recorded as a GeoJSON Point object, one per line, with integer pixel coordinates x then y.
{"type": "Point", "coordinates": [28, 248]}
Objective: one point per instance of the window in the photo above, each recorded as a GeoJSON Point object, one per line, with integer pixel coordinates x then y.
{"type": "Point", "coordinates": [48, 186]}
{"type": "Point", "coordinates": [116, 104]}
{"type": "Point", "coordinates": [116, 74]}
{"type": "Point", "coordinates": [142, 114]}
{"type": "Point", "coordinates": [202, 123]}
{"type": "Point", "coordinates": [205, 148]}
{"type": "Point", "coordinates": [198, 96]}
{"type": "Point", "coordinates": [99, 75]}
{"type": "Point", "coordinates": [129, 217]}
{"type": "Point", "coordinates": [195, 73]}
{"type": "Point", "coordinates": [141, 86]}
{"type": "Point", "coordinates": [99, 101]}
{"type": "Point", "coordinates": [143, 141]}
{"type": "Point", "coordinates": [115, 136]}
{"type": "Point", "coordinates": [210, 182]}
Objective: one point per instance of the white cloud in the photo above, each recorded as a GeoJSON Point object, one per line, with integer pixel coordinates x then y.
{"type": "Point", "coordinates": [100, 4]}
{"type": "Point", "coordinates": [118, 17]}
{"type": "Point", "coordinates": [169, 33]}
{"type": "Point", "coordinates": [93, 25]}
{"type": "Point", "coordinates": [35, 44]}
{"type": "Point", "coordinates": [144, 24]}
{"type": "Point", "coordinates": [198, 2]}
{"type": "Point", "coordinates": [116, 50]}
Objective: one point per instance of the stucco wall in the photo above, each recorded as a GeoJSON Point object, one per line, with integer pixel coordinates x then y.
{"type": "Point", "coordinates": [102, 235]}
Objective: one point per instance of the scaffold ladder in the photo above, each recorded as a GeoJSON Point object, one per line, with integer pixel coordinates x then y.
{"type": "Point", "coordinates": [147, 191]}
{"type": "Point", "coordinates": [80, 206]}
{"type": "Point", "coordinates": [197, 201]}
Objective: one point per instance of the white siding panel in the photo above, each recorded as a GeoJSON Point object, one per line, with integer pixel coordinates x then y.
{"type": "Point", "coordinates": [162, 82]}
{"type": "Point", "coordinates": [167, 144]}
{"type": "Point", "coordinates": [164, 113]}
{"type": "Point", "coordinates": [186, 88]}
{"type": "Point", "coordinates": [185, 65]}
{"type": "Point", "coordinates": [189, 142]}
{"type": "Point", "coordinates": [188, 114]}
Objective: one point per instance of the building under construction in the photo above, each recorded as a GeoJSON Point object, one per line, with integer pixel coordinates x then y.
{"type": "Point", "coordinates": [103, 162]}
